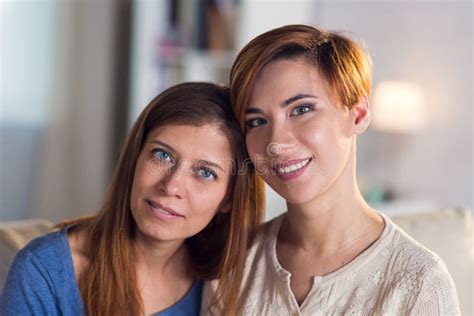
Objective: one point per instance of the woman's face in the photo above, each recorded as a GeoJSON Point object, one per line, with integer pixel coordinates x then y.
{"type": "Point", "coordinates": [297, 135]}
{"type": "Point", "coordinates": [180, 180]}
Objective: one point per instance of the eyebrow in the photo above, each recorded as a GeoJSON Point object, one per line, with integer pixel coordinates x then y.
{"type": "Point", "coordinates": [211, 164]}
{"type": "Point", "coordinates": [296, 98]}
{"type": "Point", "coordinates": [299, 96]}
{"type": "Point", "coordinates": [157, 142]}
{"type": "Point", "coordinates": [205, 162]}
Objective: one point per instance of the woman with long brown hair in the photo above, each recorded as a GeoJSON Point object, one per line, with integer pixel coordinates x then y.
{"type": "Point", "coordinates": [181, 208]}
{"type": "Point", "coordinates": [301, 97]}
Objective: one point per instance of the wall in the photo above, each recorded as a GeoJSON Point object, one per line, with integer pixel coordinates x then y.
{"type": "Point", "coordinates": [430, 44]}
{"type": "Point", "coordinates": [25, 96]}
{"type": "Point", "coordinates": [75, 165]}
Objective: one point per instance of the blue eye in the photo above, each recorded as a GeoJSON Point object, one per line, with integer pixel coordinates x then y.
{"type": "Point", "coordinates": [255, 122]}
{"type": "Point", "coordinates": [302, 109]}
{"type": "Point", "coordinates": [161, 154]}
{"type": "Point", "coordinates": [206, 174]}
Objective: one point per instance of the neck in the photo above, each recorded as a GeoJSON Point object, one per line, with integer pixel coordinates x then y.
{"type": "Point", "coordinates": [158, 258]}
{"type": "Point", "coordinates": [335, 219]}
{"type": "Point", "coordinates": [161, 267]}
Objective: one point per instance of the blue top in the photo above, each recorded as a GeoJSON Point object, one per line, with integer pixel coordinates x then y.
{"type": "Point", "coordinates": [41, 281]}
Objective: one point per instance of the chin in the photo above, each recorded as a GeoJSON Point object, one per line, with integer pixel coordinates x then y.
{"type": "Point", "coordinates": [297, 200]}
{"type": "Point", "coordinates": [299, 194]}
{"type": "Point", "coordinates": [152, 232]}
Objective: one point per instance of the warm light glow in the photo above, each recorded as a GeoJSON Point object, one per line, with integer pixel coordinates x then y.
{"type": "Point", "coordinates": [398, 107]}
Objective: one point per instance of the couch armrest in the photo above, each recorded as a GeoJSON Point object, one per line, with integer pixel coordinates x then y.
{"type": "Point", "coordinates": [14, 236]}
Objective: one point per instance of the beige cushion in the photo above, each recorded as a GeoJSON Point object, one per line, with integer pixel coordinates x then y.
{"type": "Point", "coordinates": [449, 233]}
{"type": "Point", "coordinates": [15, 235]}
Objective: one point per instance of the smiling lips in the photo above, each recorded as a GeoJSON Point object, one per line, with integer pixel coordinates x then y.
{"type": "Point", "coordinates": [291, 169]}
{"type": "Point", "coordinates": [162, 212]}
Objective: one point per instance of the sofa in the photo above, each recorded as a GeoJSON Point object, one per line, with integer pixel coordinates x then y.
{"type": "Point", "coordinates": [448, 232]}
{"type": "Point", "coordinates": [14, 235]}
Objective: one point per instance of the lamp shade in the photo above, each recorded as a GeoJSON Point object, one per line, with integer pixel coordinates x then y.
{"type": "Point", "coordinates": [398, 107]}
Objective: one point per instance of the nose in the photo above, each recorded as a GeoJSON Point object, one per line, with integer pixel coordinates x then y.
{"type": "Point", "coordinates": [173, 183]}
{"type": "Point", "coordinates": [280, 140]}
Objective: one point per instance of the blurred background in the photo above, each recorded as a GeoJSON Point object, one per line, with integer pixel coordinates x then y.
{"type": "Point", "coordinates": [76, 73]}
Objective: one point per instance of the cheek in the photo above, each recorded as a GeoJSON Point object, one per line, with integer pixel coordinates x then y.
{"type": "Point", "coordinates": [314, 135]}
{"type": "Point", "coordinates": [342, 134]}
{"type": "Point", "coordinates": [331, 144]}
{"type": "Point", "coordinates": [257, 151]}
{"type": "Point", "coordinates": [204, 207]}
{"type": "Point", "coordinates": [325, 140]}
{"type": "Point", "coordinates": [144, 176]}
{"type": "Point", "coordinates": [255, 145]}
{"type": "Point", "coordinates": [147, 176]}
{"type": "Point", "coordinates": [137, 183]}
{"type": "Point", "coordinates": [205, 199]}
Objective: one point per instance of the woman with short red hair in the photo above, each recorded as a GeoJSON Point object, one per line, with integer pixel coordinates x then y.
{"type": "Point", "coordinates": [301, 96]}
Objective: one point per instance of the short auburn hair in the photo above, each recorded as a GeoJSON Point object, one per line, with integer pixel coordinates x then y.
{"type": "Point", "coordinates": [340, 60]}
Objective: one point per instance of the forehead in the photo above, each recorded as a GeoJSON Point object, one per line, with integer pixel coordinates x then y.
{"type": "Point", "coordinates": [206, 142]}
{"type": "Point", "coordinates": [283, 78]}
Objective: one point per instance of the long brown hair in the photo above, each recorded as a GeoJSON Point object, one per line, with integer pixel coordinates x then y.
{"type": "Point", "coordinates": [341, 61]}
{"type": "Point", "coordinates": [109, 285]}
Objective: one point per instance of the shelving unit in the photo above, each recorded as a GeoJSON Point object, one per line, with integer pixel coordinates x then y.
{"type": "Point", "coordinates": [177, 41]}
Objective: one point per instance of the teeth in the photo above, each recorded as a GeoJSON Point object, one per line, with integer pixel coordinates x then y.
{"type": "Point", "coordinates": [294, 167]}
{"type": "Point", "coordinates": [163, 211]}
{"type": "Point", "coordinates": [159, 209]}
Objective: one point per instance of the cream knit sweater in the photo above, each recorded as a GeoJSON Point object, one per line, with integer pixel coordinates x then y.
{"type": "Point", "coordinates": [394, 276]}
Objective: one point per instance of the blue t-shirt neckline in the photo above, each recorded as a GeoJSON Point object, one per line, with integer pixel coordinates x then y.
{"type": "Point", "coordinates": [195, 292]}
{"type": "Point", "coordinates": [181, 307]}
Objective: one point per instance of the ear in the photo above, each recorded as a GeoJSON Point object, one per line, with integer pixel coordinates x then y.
{"type": "Point", "coordinates": [360, 116]}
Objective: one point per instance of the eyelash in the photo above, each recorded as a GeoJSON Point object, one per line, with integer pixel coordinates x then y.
{"type": "Point", "coordinates": [213, 174]}
{"type": "Point", "coordinates": [157, 151]}
{"type": "Point", "coordinates": [309, 107]}
{"type": "Point", "coordinates": [251, 123]}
